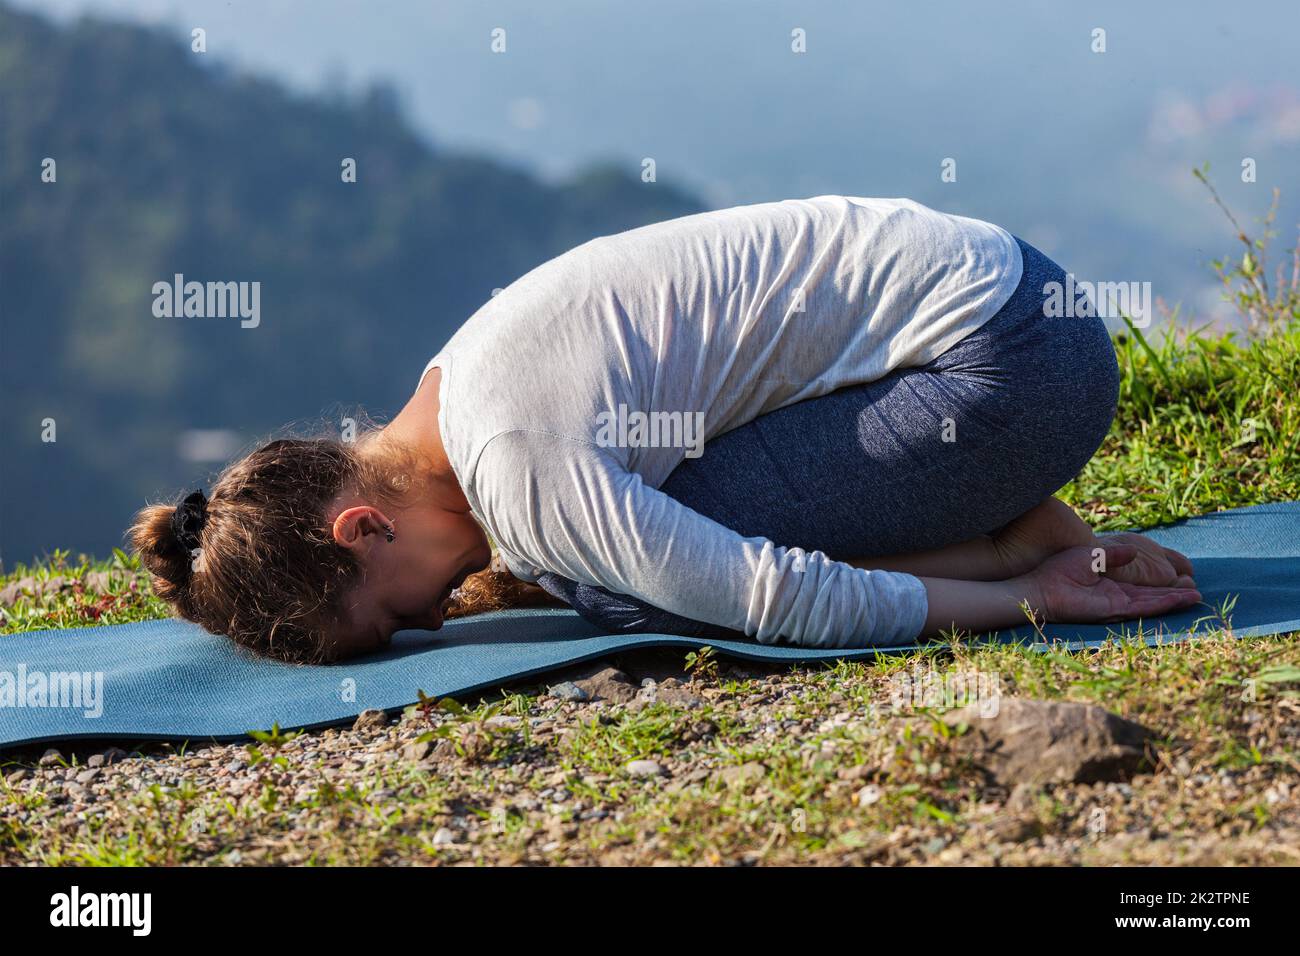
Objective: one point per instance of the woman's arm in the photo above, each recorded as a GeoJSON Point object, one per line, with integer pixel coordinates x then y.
{"type": "Point", "coordinates": [1068, 587]}
{"type": "Point", "coordinates": [975, 560]}
{"type": "Point", "coordinates": [575, 511]}
{"type": "Point", "coordinates": [572, 509]}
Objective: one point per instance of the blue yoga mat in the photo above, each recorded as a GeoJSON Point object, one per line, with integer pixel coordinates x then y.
{"type": "Point", "coordinates": [170, 680]}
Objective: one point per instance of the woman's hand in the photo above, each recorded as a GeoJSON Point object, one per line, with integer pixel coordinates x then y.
{"type": "Point", "coordinates": [1151, 565]}
{"type": "Point", "coordinates": [1067, 588]}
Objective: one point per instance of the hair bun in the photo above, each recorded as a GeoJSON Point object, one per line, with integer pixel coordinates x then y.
{"type": "Point", "coordinates": [188, 520]}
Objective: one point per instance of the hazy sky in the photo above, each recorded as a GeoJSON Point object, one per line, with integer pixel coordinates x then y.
{"type": "Point", "coordinates": [1062, 145]}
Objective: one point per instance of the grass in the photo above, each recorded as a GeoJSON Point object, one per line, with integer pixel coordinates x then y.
{"type": "Point", "coordinates": [837, 779]}
{"type": "Point", "coordinates": [1204, 423]}
{"type": "Point", "coordinates": [831, 773]}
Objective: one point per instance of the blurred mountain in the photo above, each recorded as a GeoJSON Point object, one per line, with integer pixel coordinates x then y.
{"type": "Point", "coordinates": [166, 164]}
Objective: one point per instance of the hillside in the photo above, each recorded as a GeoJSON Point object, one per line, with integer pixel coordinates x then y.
{"type": "Point", "coordinates": [168, 163]}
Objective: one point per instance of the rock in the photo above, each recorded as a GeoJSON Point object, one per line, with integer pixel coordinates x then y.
{"type": "Point", "coordinates": [369, 721]}
{"type": "Point", "coordinates": [443, 750]}
{"type": "Point", "coordinates": [10, 593]}
{"type": "Point", "coordinates": [1018, 822]}
{"type": "Point", "coordinates": [55, 584]}
{"type": "Point", "coordinates": [75, 792]}
{"type": "Point", "coordinates": [568, 690]}
{"type": "Point", "coordinates": [417, 750]}
{"type": "Point", "coordinates": [740, 774]}
{"type": "Point", "coordinates": [443, 837]}
{"type": "Point", "coordinates": [51, 758]}
{"type": "Point", "coordinates": [17, 776]}
{"type": "Point", "coordinates": [869, 794]}
{"type": "Point", "coordinates": [644, 768]}
{"type": "Point", "coordinates": [1035, 742]}
{"type": "Point", "coordinates": [97, 580]}
{"type": "Point", "coordinates": [96, 760]}
{"type": "Point", "coordinates": [1023, 797]}
{"type": "Point", "coordinates": [1016, 828]}
{"type": "Point", "coordinates": [87, 776]}
{"type": "Point", "coordinates": [609, 684]}
{"type": "Point", "coordinates": [701, 730]}
{"type": "Point", "coordinates": [674, 692]}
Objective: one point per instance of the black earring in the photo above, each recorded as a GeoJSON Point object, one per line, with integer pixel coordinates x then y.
{"type": "Point", "coordinates": [388, 533]}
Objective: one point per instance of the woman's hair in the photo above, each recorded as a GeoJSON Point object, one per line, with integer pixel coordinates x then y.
{"type": "Point", "coordinates": [267, 572]}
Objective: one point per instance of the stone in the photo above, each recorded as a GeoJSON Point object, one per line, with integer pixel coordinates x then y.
{"type": "Point", "coordinates": [369, 721]}
{"type": "Point", "coordinates": [1037, 742]}
{"type": "Point", "coordinates": [97, 580]}
{"type": "Point", "coordinates": [568, 690]}
{"type": "Point", "coordinates": [87, 776]}
{"type": "Point", "coordinates": [609, 684]}
{"type": "Point", "coordinates": [674, 692]}
{"type": "Point", "coordinates": [740, 774]}
{"type": "Point", "coordinates": [51, 758]}
{"type": "Point", "coordinates": [869, 794]}
{"type": "Point", "coordinates": [644, 768]}
{"type": "Point", "coordinates": [417, 750]}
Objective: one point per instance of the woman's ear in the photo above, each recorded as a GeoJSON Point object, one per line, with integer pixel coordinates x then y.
{"type": "Point", "coordinates": [355, 528]}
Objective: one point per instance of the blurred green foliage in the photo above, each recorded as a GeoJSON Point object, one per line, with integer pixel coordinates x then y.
{"type": "Point", "coordinates": [168, 162]}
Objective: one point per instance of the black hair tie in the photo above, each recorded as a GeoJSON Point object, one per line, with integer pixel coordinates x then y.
{"type": "Point", "coordinates": [188, 520]}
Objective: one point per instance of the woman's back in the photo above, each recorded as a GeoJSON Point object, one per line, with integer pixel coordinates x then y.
{"type": "Point", "coordinates": [725, 315]}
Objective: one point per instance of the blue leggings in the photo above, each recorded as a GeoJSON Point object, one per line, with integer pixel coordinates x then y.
{"type": "Point", "coordinates": [1023, 402]}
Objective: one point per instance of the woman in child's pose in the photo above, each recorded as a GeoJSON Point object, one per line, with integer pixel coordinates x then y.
{"type": "Point", "coordinates": [832, 422]}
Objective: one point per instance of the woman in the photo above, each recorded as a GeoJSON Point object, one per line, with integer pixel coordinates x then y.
{"type": "Point", "coordinates": [833, 422]}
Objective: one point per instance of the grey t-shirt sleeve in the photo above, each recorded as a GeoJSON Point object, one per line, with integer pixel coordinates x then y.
{"type": "Point", "coordinates": [572, 509]}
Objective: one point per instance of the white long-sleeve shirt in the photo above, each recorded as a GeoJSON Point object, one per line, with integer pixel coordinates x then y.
{"type": "Point", "coordinates": [718, 317]}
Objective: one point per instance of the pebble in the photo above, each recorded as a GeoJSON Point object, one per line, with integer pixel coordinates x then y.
{"type": "Point", "coordinates": [741, 774]}
{"type": "Point", "coordinates": [869, 794]}
{"type": "Point", "coordinates": [369, 721]}
{"type": "Point", "coordinates": [444, 837]}
{"type": "Point", "coordinates": [50, 758]}
{"type": "Point", "coordinates": [87, 776]}
{"type": "Point", "coordinates": [644, 768]}
{"type": "Point", "coordinates": [568, 690]}
{"type": "Point", "coordinates": [417, 750]}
